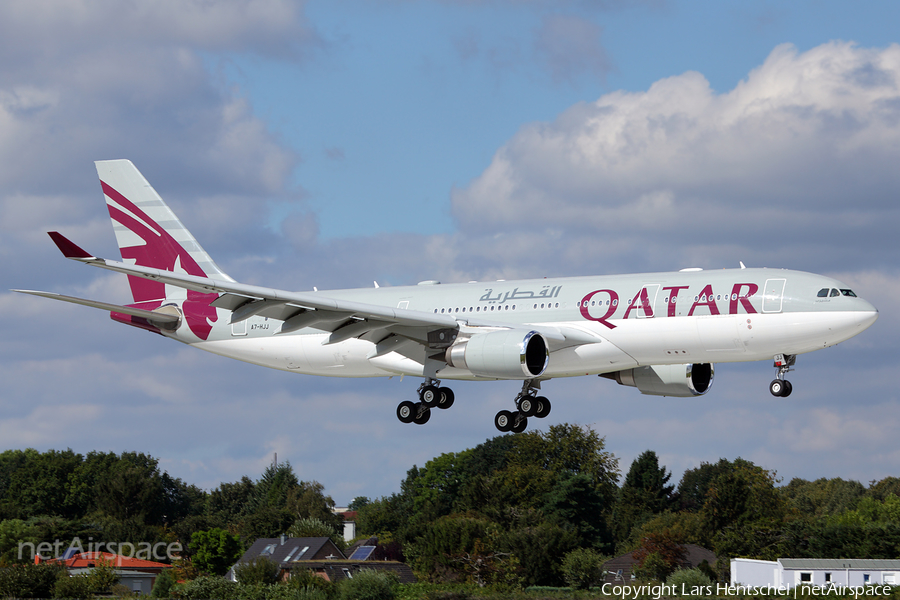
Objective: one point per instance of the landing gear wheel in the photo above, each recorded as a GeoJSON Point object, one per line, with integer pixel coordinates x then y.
{"type": "Point", "coordinates": [543, 407]}
{"type": "Point", "coordinates": [527, 406]}
{"type": "Point", "coordinates": [503, 421]}
{"type": "Point", "coordinates": [406, 411]}
{"type": "Point", "coordinates": [780, 388]}
{"type": "Point", "coordinates": [520, 422]}
{"type": "Point", "coordinates": [788, 388]}
{"type": "Point", "coordinates": [430, 395]}
{"type": "Point", "coordinates": [422, 416]}
{"type": "Point", "coordinates": [445, 397]}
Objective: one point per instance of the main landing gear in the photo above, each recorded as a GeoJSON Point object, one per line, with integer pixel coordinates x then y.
{"type": "Point", "coordinates": [528, 404]}
{"type": "Point", "coordinates": [780, 386]}
{"type": "Point", "coordinates": [431, 395]}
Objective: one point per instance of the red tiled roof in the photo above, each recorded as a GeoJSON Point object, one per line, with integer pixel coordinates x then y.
{"type": "Point", "coordinates": [90, 559]}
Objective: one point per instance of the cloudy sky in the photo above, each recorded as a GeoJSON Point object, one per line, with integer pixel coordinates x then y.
{"type": "Point", "coordinates": [334, 144]}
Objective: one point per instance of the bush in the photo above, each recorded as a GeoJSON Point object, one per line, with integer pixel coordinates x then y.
{"type": "Point", "coordinates": [690, 580]}
{"type": "Point", "coordinates": [206, 588]}
{"type": "Point", "coordinates": [259, 570]}
{"type": "Point", "coordinates": [369, 585]}
{"type": "Point", "coordinates": [162, 587]}
{"type": "Point", "coordinates": [307, 582]}
{"type": "Point", "coordinates": [582, 568]}
{"type": "Point", "coordinates": [77, 587]}
{"type": "Point", "coordinates": [30, 580]}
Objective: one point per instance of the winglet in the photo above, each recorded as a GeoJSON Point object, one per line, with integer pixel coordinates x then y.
{"type": "Point", "coordinates": [67, 247]}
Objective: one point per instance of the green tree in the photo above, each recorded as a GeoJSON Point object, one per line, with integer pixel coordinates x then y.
{"type": "Point", "coordinates": [163, 585]}
{"type": "Point", "coordinates": [215, 551]}
{"type": "Point", "coordinates": [582, 568]}
{"type": "Point", "coordinates": [308, 501]}
{"type": "Point", "coordinates": [227, 503]}
{"type": "Point", "coordinates": [576, 504]}
{"type": "Point", "coordinates": [273, 488]}
{"type": "Point", "coordinates": [312, 527]}
{"type": "Point", "coordinates": [821, 497]}
{"type": "Point", "coordinates": [369, 584]}
{"type": "Point", "coordinates": [260, 570]}
{"type": "Point", "coordinates": [694, 484]}
{"type": "Point", "coordinates": [644, 493]}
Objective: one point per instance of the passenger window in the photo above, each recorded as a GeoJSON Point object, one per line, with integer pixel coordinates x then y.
{"type": "Point", "coordinates": [848, 293]}
{"type": "Point", "coordinates": [823, 293]}
{"type": "Point", "coordinates": [835, 293]}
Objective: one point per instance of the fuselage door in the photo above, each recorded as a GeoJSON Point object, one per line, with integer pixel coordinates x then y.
{"type": "Point", "coordinates": [773, 295]}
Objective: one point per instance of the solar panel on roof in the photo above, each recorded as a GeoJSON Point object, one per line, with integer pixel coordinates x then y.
{"type": "Point", "coordinates": [362, 553]}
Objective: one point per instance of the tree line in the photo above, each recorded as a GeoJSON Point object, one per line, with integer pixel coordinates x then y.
{"type": "Point", "coordinates": [517, 509]}
{"type": "Point", "coordinates": [53, 496]}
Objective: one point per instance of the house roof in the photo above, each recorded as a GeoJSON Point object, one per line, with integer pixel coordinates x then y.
{"type": "Point", "coordinates": [90, 559]}
{"type": "Point", "coordinates": [840, 563]}
{"type": "Point", "coordinates": [336, 570]}
{"type": "Point", "coordinates": [693, 556]}
{"type": "Point", "coordinates": [286, 550]}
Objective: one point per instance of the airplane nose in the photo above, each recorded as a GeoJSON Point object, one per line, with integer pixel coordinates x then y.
{"type": "Point", "coordinates": [867, 315]}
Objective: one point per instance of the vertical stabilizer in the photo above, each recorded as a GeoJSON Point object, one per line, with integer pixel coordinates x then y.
{"type": "Point", "coordinates": [148, 232]}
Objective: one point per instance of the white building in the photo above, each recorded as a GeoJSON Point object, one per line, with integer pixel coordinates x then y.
{"type": "Point", "coordinates": [790, 572]}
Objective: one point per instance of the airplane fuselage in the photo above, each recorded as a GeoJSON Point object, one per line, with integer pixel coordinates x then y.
{"type": "Point", "coordinates": [731, 315]}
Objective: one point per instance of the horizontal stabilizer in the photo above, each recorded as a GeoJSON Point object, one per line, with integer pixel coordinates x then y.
{"type": "Point", "coordinates": [150, 315]}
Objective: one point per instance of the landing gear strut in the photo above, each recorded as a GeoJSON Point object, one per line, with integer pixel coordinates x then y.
{"type": "Point", "coordinates": [780, 386]}
{"type": "Point", "coordinates": [528, 404]}
{"type": "Point", "coordinates": [431, 395]}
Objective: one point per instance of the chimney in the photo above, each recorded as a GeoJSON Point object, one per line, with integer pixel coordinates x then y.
{"type": "Point", "coordinates": [282, 539]}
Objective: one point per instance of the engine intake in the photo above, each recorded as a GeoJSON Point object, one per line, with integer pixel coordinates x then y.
{"type": "Point", "coordinates": [506, 354]}
{"type": "Point", "coordinates": [683, 381]}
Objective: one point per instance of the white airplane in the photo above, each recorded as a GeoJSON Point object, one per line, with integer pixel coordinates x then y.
{"type": "Point", "coordinates": [658, 332]}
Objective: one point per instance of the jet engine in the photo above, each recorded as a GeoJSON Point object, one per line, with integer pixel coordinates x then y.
{"type": "Point", "coordinates": [682, 381]}
{"type": "Point", "coordinates": [505, 354]}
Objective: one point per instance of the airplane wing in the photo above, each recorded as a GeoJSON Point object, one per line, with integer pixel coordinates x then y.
{"type": "Point", "coordinates": [387, 327]}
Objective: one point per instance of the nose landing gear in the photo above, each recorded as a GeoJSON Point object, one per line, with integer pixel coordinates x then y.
{"type": "Point", "coordinates": [780, 386]}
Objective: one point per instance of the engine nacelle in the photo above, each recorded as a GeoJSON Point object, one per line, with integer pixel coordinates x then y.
{"type": "Point", "coordinates": [506, 354]}
{"type": "Point", "coordinates": [682, 381]}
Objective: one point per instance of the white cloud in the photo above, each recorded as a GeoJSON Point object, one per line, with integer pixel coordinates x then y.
{"type": "Point", "coordinates": [799, 151]}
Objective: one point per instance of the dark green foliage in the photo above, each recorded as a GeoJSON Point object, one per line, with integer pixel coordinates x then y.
{"type": "Point", "coordinates": [449, 538]}
{"type": "Point", "coordinates": [259, 570]}
{"type": "Point", "coordinates": [689, 580]}
{"type": "Point", "coordinates": [694, 485]}
{"type": "Point", "coordinates": [304, 580]}
{"type": "Point", "coordinates": [538, 549]}
{"type": "Point", "coordinates": [273, 488]}
{"type": "Point", "coordinates": [163, 585]}
{"type": "Point", "coordinates": [30, 580]}
{"type": "Point", "coordinates": [215, 550]}
{"type": "Point", "coordinates": [77, 587]}
{"type": "Point", "coordinates": [369, 585]}
{"type": "Point", "coordinates": [644, 493]}
{"type": "Point", "coordinates": [582, 568]}
{"type": "Point", "coordinates": [822, 497]}
{"type": "Point", "coordinates": [207, 588]}
{"type": "Point", "coordinates": [573, 502]}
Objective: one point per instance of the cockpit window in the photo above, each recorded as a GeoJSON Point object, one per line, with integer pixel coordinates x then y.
{"type": "Point", "coordinates": [823, 293]}
{"type": "Point", "coordinates": [834, 293]}
{"type": "Point", "coordinates": [848, 293]}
